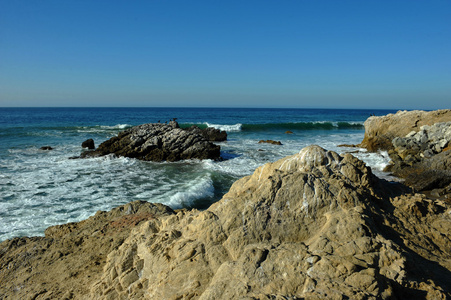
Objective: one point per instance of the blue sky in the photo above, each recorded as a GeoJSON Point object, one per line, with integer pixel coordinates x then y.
{"type": "Point", "coordinates": [308, 54]}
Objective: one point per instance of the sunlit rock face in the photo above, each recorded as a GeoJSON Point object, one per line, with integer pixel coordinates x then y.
{"type": "Point", "coordinates": [380, 131]}
{"type": "Point", "coordinates": [314, 225]}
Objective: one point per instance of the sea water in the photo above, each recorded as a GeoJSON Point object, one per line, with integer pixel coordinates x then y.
{"type": "Point", "coordinates": [41, 188]}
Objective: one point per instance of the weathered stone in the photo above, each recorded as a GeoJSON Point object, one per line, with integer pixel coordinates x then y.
{"type": "Point", "coordinates": [270, 142]}
{"type": "Point", "coordinates": [210, 133]}
{"type": "Point", "coordinates": [380, 131]}
{"type": "Point", "coordinates": [158, 142]}
{"type": "Point", "coordinates": [313, 225]}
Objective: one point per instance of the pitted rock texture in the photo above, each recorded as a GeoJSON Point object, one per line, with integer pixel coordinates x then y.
{"type": "Point", "coordinates": [430, 140]}
{"type": "Point", "coordinates": [64, 263]}
{"type": "Point", "coordinates": [423, 158]}
{"type": "Point", "coordinates": [158, 142]}
{"type": "Point", "coordinates": [315, 225]}
{"type": "Point", "coordinates": [380, 131]}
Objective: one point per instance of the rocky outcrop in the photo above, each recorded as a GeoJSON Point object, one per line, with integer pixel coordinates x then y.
{"type": "Point", "coordinates": [422, 158]}
{"type": "Point", "coordinates": [89, 143]}
{"type": "Point", "coordinates": [210, 133]}
{"type": "Point", "coordinates": [427, 142]}
{"type": "Point", "coordinates": [315, 225]}
{"type": "Point", "coordinates": [417, 142]}
{"type": "Point", "coordinates": [380, 131]}
{"type": "Point", "coordinates": [65, 263]}
{"type": "Point", "coordinates": [158, 142]}
{"type": "Point", "coordinates": [270, 142]}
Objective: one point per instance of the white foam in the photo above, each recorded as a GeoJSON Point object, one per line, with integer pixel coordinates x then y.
{"type": "Point", "coordinates": [201, 187]}
{"type": "Point", "coordinates": [228, 128]}
{"type": "Point", "coordinates": [118, 126]}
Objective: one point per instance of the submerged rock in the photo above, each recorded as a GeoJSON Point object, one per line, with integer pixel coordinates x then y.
{"type": "Point", "coordinates": [270, 142]}
{"type": "Point", "coordinates": [158, 142]}
{"type": "Point", "coordinates": [46, 148]}
{"type": "Point", "coordinates": [314, 225]}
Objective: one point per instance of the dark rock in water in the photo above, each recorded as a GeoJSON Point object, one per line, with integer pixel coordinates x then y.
{"type": "Point", "coordinates": [289, 132]}
{"type": "Point", "coordinates": [270, 142]}
{"type": "Point", "coordinates": [88, 144]}
{"type": "Point", "coordinates": [46, 148]}
{"type": "Point", "coordinates": [210, 133]}
{"type": "Point", "coordinates": [158, 142]}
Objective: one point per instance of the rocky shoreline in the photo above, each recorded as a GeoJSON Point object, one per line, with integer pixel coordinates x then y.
{"type": "Point", "coordinates": [314, 225]}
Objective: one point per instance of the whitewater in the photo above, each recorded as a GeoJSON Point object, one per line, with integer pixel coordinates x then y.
{"type": "Point", "coordinates": [41, 188]}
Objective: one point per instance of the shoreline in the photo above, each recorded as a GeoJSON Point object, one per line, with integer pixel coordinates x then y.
{"type": "Point", "coordinates": [254, 226]}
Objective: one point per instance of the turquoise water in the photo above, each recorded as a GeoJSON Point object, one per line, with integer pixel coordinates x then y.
{"type": "Point", "coordinates": [42, 188]}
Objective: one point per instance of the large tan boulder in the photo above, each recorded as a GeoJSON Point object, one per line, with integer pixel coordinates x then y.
{"type": "Point", "coordinates": [380, 131]}
{"type": "Point", "coordinates": [314, 225]}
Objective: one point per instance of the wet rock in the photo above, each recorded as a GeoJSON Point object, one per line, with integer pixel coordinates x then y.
{"type": "Point", "coordinates": [158, 142]}
{"type": "Point", "coordinates": [210, 133]}
{"type": "Point", "coordinates": [46, 148]}
{"type": "Point", "coordinates": [88, 144]}
{"type": "Point", "coordinates": [270, 142]}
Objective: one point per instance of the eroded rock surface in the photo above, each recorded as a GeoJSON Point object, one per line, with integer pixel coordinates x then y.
{"type": "Point", "coordinates": [315, 225]}
{"type": "Point", "coordinates": [65, 263]}
{"type": "Point", "coordinates": [418, 143]}
{"type": "Point", "coordinates": [380, 131]}
{"type": "Point", "coordinates": [159, 142]}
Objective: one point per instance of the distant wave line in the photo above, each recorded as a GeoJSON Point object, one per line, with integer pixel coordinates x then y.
{"type": "Point", "coordinates": [320, 125]}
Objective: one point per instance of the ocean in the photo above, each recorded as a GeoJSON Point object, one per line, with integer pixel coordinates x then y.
{"type": "Point", "coordinates": [41, 188]}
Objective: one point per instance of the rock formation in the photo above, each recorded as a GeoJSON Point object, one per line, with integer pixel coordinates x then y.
{"type": "Point", "coordinates": [210, 133]}
{"type": "Point", "coordinates": [89, 143]}
{"type": "Point", "coordinates": [46, 148]}
{"type": "Point", "coordinates": [380, 131]}
{"type": "Point", "coordinates": [315, 225]}
{"type": "Point", "coordinates": [158, 142]}
{"type": "Point", "coordinates": [418, 144]}
{"type": "Point", "coordinates": [270, 142]}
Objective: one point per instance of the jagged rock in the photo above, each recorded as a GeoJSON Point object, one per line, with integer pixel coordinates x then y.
{"type": "Point", "coordinates": [158, 142]}
{"type": "Point", "coordinates": [380, 131]}
{"type": "Point", "coordinates": [46, 148]}
{"type": "Point", "coordinates": [270, 142]}
{"type": "Point", "coordinates": [210, 133]}
{"type": "Point", "coordinates": [414, 141]}
{"type": "Point", "coordinates": [315, 225]}
{"type": "Point", "coordinates": [88, 144]}
{"type": "Point", "coordinates": [420, 159]}
{"type": "Point", "coordinates": [427, 142]}
{"type": "Point", "coordinates": [70, 257]}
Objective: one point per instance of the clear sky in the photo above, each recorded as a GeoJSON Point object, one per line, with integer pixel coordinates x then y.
{"type": "Point", "coordinates": [307, 54]}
